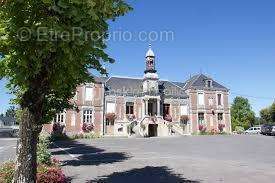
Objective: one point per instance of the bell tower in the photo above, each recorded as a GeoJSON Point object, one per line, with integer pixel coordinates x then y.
{"type": "Point", "coordinates": [150, 79]}
{"type": "Point", "coordinates": [150, 61]}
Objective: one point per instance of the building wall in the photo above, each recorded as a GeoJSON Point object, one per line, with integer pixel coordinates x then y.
{"type": "Point", "coordinates": [74, 118]}
{"type": "Point", "coordinates": [210, 110]}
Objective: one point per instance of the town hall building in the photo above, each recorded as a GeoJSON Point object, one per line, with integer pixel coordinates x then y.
{"type": "Point", "coordinates": [148, 106]}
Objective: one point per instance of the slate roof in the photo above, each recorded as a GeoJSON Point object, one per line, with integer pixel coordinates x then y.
{"type": "Point", "coordinates": [198, 82]}
{"type": "Point", "coordinates": [134, 86]}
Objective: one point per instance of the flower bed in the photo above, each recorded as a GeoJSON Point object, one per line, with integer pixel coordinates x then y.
{"type": "Point", "coordinates": [87, 128]}
{"type": "Point", "coordinates": [130, 117]}
{"type": "Point", "coordinates": [168, 118]}
{"type": "Point", "coordinates": [221, 127]}
{"type": "Point", "coordinates": [45, 173]}
{"type": "Point", "coordinates": [111, 117]}
{"type": "Point", "coordinates": [202, 129]}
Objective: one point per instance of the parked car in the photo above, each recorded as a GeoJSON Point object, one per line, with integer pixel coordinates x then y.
{"type": "Point", "coordinates": [10, 130]}
{"type": "Point", "coordinates": [273, 130]}
{"type": "Point", "coordinates": [253, 130]}
{"type": "Point", "coordinates": [266, 129]}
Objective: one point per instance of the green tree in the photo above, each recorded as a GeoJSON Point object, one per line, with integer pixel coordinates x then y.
{"type": "Point", "coordinates": [242, 114]}
{"type": "Point", "coordinates": [49, 46]}
{"type": "Point", "coordinates": [272, 112]}
{"type": "Point", "coordinates": [11, 112]}
{"type": "Point", "coordinates": [265, 115]}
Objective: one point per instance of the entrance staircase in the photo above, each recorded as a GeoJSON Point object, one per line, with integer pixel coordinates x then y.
{"type": "Point", "coordinates": [165, 128]}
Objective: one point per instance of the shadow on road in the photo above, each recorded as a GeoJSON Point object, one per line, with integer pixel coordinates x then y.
{"type": "Point", "coordinates": [73, 147]}
{"type": "Point", "coordinates": [147, 174]}
{"type": "Point", "coordinates": [97, 159]}
{"type": "Point", "coordinates": [86, 154]}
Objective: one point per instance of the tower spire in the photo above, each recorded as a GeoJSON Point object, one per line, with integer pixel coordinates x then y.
{"type": "Point", "coordinates": [150, 60]}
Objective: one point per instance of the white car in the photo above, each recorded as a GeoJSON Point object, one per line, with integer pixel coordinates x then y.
{"type": "Point", "coordinates": [253, 130]}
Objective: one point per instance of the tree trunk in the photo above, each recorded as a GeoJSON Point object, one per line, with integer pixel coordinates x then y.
{"type": "Point", "coordinates": [26, 164]}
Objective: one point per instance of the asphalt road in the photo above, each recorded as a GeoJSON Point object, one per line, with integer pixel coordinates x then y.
{"type": "Point", "coordinates": [231, 159]}
{"type": "Point", "coordinates": [7, 149]}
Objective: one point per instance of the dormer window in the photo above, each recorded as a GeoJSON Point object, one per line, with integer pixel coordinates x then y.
{"type": "Point", "coordinates": [209, 84]}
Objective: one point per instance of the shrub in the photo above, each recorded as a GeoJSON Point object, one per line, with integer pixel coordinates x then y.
{"type": "Point", "coordinates": [45, 174]}
{"type": "Point", "coordinates": [239, 129]}
{"type": "Point", "coordinates": [111, 117]}
{"type": "Point", "coordinates": [131, 117]}
{"type": "Point", "coordinates": [90, 135]}
{"type": "Point", "coordinates": [52, 175]}
{"type": "Point", "coordinates": [221, 127]}
{"type": "Point", "coordinates": [43, 154]}
{"type": "Point", "coordinates": [7, 172]}
{"type": "Point", "coordinates": [58, 132]}
{"type": "Point", "coordinates": [87, 128]}
{"type": "Point", "coordinates": [213, 132]}
{"type": "Point", "coordinates": [202, 129]}
{"type": "Point", "coordinates": [130, 127]}
{"type": "Point", "coordinates": [143, 127]}
{"type": "Point", "coordinates": [168, 118]}
{"type": "Point", "coordinates": [58, 137]}
{"type": "Point", "coordinates": [58, 128]}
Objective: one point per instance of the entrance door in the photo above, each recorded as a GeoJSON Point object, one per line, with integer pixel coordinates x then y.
{"type": "Point", "coordinates": [152, 107]}
{"type": "Point", "coordinates": [166, 109]}
{"type": "Point", "coordinates": [153, 130]}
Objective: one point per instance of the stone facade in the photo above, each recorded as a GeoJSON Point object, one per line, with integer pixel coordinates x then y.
{"type": "Point", "coordinates": [148, 106]}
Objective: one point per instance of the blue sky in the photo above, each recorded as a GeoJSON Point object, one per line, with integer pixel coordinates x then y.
{"type": "Point", "coordinates": [232, 41]}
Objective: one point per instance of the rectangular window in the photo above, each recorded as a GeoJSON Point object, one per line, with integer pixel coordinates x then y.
{"type": "Point", "coordinates": [88, 94]}
{"type": "Point", "coordinates": [210, 101]}
{"type": "Point", "coordinates": [183, 110]}
{"type": "Point", "coordinates": [87, 116]}
{"type": "Point", "coordinates": [220, 116]}
{"type": "Point", "coordinates": [73, 119]}
{"type": "Point", "coordinates": [109, 123]}
{"type": "Point", "coordinates": [209, 84]}
{"type": "Point", "coordinates": [60, 118]}
{"type": "Point", "coordinates": [201, 98]}
{"type": "Point", "coordinates": [111, 107]}
{"type": "Point", "coordinates": [201, 118]}
{"type": "Point", "coordinates": [219, 99]}
{"type": "Point", "coordinates": [129, 108]}
{"type": "Point", "coordinates": [166, 110]}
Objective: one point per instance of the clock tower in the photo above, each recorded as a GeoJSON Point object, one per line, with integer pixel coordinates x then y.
{"type": "Point", "coordinates": [150, 79]}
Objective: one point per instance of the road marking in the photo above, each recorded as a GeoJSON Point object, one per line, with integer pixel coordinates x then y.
{"type": "Point", "coordinates": [2, 149]}
{"type": "Point", "coordinates": [8, 139]}
{"type": "Point", "coordinates": [64, 150]}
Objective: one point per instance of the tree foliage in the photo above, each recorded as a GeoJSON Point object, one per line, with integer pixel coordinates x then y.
{"type": "Point", "coordinates": [265, 115]}
{"type": "Point", "coordinates": [241, 113]}
{"type": "Point", "coordinates": [11, 112]}
{"type": "Point", "coordinates": [273, 112]}
{"type": "Point", "coordinates": [47, 50]}
{"type": "Point", "coordinates": [49, 46]}
{"type": "Point", "coordinates": [268, 114]}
